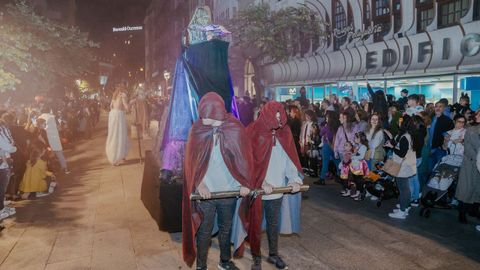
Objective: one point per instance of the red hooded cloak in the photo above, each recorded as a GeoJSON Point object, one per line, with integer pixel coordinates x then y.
{"type": "Point", "coordinates": [264, 134]}
{"type": "Point", "coordinates": [236, 152]}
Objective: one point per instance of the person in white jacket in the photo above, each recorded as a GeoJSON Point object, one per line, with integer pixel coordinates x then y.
{"type": "Point", "coordinates": [7, 146]}
{"type": "Point", "coordinates": [54, 137]}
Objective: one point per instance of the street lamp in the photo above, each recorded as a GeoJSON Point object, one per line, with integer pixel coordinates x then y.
{"type": "Point", "coordinates": [166, 75]}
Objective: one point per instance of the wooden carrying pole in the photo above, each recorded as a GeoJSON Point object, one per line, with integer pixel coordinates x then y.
{"type": "Point", "coordinates": [236, 193]}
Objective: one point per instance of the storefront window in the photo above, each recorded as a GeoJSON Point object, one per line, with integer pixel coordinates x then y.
{"type": "Point", "coordinates": [397, 15]}
{"type": "Point", "coordinates": [382, 7]}
{"type": "Point", "coordinates": [366, 13]}
{"type": "Point", "coordinates": [450, 12]}
{"type": "Point", "coordinates": [426, 18]}
{"type": "Point", "coordinates": [340, 20]}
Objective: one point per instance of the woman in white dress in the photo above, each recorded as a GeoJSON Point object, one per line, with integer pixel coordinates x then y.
{"type": "Point", "coordinates": [117, 140]}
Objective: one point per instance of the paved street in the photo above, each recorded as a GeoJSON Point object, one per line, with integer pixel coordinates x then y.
{"type": "Point", "coordinates": [96, 220]}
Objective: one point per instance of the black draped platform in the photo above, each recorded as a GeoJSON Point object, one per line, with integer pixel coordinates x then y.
{"type": "Point", "coordinates": [163, 201]}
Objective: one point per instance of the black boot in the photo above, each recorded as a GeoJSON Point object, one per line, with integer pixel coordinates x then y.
{"type": "Point", "coordinates": [462, 213]}
{"type": "Point", "coordinates": [473, 210]}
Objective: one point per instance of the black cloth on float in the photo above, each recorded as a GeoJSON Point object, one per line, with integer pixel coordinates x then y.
{"type": "Point", "coordinates": [207, 66]}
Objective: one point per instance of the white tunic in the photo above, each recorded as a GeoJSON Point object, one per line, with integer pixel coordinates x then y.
{"type": "Point", "coordinates": [52, 132]}
{"type": "Point", "coordinates": [218, 177]}
{"type": "Point", "coordinates": [281, 171]}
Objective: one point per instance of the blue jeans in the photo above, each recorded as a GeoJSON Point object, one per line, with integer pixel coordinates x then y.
{"type": "Point", "coordinates": [327, 155]}
{"type": "Point", "coordinates": [404, 192]}
{"type": "Point", "coordinates": [225, 209]}
{"type": "Point", "coordinates": [415, 183]}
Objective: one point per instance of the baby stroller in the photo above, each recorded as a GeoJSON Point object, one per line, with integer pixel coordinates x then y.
{"type": "Point", "coordinates": [441, 187]}
{"type": "Point", "coordinates": [381, 185]}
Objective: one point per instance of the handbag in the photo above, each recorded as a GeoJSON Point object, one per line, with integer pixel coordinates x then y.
{"type": "Point", "coordinates": [392, 168]}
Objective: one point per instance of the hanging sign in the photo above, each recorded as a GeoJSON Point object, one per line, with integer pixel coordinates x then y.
{"type": "Point", "coordinates": [351, 34]}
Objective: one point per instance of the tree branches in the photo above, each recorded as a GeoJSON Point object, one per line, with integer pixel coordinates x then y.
{"type": "Point", "coordinates": [35, 51]}
{"type": "Point", "coordinates": [275, 36]}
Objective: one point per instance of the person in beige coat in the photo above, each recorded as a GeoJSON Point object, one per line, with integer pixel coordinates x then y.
{"type": "Point", "coordinates": [468, 187]}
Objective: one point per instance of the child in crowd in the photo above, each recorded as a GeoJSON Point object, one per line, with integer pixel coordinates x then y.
{"type": "Point", "coordinates": [413, 105]}
{"type": "Point", "coordinates": [345, 168]}
{"type": "Point", "coordinates": [35, 177]}
{"type": "Point", "coordinates": [358, 166]}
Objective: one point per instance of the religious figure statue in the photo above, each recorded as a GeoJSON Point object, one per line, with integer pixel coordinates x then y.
{"type": "Point", "coordinates": [202, 67]}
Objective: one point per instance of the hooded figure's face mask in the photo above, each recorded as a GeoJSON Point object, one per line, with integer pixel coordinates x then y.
{"type": "Point", "coordinates": [273, 115]}
{"type": "Point", "coordinates": [211, 109]}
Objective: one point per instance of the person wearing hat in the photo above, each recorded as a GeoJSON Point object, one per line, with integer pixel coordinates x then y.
{"type": "Point", "coordinates": [402, 101]}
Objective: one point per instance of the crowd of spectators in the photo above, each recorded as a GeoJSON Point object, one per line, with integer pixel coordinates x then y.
{"type": "Point", "coordinates": [342, 139]}
{"type": "Point", "coordinates": [32, 140]}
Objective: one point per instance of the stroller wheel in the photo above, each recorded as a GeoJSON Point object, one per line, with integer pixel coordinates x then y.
{"type": "Point", "coordinates": [379, 203]}
{"type": "Point", "coordinates": [427, 213]}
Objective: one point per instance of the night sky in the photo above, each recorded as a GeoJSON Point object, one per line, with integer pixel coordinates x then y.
{"type": "Point", "coordinates": [99, 16]}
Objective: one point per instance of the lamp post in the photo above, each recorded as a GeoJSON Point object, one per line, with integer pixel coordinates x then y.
{"type": "Point", "coordinates": [166, 75]}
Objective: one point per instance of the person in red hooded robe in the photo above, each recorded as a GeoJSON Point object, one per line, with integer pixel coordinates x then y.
{"type": "Point", "coordinates": [218, 158]}
{"type": "Point", "coordinates": [276, 165]}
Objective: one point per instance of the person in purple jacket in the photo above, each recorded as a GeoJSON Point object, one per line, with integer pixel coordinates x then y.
{"type": "Point", "coordinates": [327, 132]}
{"type": "Point", "coordinates": [346, 132]}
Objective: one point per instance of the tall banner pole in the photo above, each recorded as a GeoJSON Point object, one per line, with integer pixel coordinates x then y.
{"type": "Point", "coordinates": [137, 126]}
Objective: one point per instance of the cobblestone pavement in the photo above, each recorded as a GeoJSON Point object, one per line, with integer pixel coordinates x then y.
{"type": "Point", "coordinates": [96, 220]}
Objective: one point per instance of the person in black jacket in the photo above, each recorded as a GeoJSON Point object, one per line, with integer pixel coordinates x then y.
{"type": "Point", "coordinates": [402, 102]}
{"type": "Point", "coordinates": [380, 105]}
{"type": "Point", "coordinates": [463, 106]}
{"type": "Point", "coordinates": [440, 125]}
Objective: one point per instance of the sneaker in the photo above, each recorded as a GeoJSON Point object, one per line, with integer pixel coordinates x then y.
{"type": "Point", "coordinates": [52, 187]}
{"type": "Point", "coordinates": [415, 203]}
{"type": "Point", "coordinates": [478, 228]}
{"type": "Point", "coordinates": [346, 194]}
{"type": "Point", "coordinates": [42, 194]}
{"type": "Point", "coordinates": [356, 195]}
{"type": "Point", "coordinates": [277, 261]}
{"type": "Point", "coordinates": [201, 268]}
{"type": "Point", "coordinates": [227, 266]}
{"type": "Point", "coordinates": [4, 214]}
{"type": "Point", "coordinates": [398, 214]}
{"type": "Point", "coordinates": [374, 198]}
{"type": "Point", "coordinates": [367, 194]}
{"type": "Point", "coordinates": [358, 198]}
{"type": "Point", "coordinates": [257, 263]}
{"type": "Point", "coordinates": [67, 172]}
{"type": "Point", "coordinates": [406, 210]}
{"type": "Point", "coordinates": [11, 210]}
